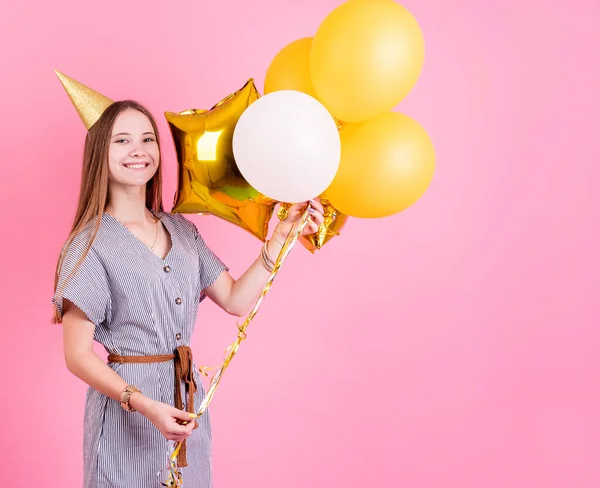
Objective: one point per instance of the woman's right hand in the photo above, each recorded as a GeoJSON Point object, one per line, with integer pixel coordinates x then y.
{"type": "Point", "coordinates": [174, 424]}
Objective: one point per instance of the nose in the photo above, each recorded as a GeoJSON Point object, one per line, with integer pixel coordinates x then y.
{"type": "Point", "coordinates": [137, 151]}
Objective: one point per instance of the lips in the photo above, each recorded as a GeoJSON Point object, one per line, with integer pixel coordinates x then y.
{"type": "Point", "coordinates": [137, 166]}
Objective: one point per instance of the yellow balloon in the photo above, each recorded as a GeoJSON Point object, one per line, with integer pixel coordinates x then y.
{"type": "Point", "coordinates": [387, 164]}
{"type": "Point", "coordinates": [366, 57]}
{"type": "Point", "coordinates": [290, 69]}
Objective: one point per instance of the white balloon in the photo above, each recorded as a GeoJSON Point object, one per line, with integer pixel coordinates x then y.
{"type": "Point", "coordinates": [287, 146]}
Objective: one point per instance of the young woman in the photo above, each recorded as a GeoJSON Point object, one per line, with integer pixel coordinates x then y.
{"type": "Point", "coordinates": [131, 277]}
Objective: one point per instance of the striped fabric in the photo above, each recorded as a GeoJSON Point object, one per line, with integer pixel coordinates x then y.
{"type": "Point", "coordinates": [140, 305]}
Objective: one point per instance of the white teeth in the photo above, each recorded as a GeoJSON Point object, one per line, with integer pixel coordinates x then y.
{"type": "Point", "coordinates": [136, 166]}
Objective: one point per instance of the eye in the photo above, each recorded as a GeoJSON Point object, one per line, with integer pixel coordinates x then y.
{"type": "Point", "coordinates": [118, 141]}
{"type": "Point", "coordinates": [149, 139]}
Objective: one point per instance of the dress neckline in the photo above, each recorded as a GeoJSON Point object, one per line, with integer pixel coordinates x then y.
{"type": "Point", "coordinates": [142, 244]}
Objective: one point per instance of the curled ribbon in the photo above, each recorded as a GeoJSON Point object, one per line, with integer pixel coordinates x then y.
{"type": "Point", "coordinates": [174, 477]}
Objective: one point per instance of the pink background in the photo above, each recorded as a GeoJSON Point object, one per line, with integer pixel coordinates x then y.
{"type": "Point", "coordinates": [452, 345]}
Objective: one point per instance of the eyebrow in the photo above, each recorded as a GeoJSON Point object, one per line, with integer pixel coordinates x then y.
{"type": "Point", "coordinates": [128, 134]}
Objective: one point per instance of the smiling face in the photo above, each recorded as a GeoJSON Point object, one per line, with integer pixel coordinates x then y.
{"type": "Point", "coordinates": [133, 155]}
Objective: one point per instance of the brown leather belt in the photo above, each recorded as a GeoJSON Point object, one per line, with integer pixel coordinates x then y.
{"type": "Point", "coordinates": [184, 371]}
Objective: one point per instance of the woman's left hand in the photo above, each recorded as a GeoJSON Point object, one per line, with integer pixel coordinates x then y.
{"type": "Point", "coordinates": [294, 214]}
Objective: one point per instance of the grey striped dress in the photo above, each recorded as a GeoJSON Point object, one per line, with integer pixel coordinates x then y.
{"type": "Point", "coordinates": [140, 304]}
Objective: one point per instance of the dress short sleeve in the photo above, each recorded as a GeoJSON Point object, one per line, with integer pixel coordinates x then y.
{"type": "Point", "coordinates": [210, 265]}
{"type": "Point", "coordinates": [88, 287]}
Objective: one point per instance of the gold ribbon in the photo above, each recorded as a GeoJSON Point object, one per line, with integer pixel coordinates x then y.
{"type": "Point", "coordinates": [174, 479]}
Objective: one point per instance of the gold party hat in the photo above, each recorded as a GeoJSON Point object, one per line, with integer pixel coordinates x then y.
{"type": "Point", "coordinates": [89, 103]}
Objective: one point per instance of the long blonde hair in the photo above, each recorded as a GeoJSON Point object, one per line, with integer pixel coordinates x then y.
{"type": "Point", "coordinates": [93, 193]}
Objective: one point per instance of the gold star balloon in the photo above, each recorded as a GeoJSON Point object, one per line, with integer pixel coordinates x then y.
{"type": "Point", "coordinates": [209, 181]}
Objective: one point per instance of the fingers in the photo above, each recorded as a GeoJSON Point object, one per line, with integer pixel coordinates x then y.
{"type": "Point", "coordinates": [182, 425]}
{"type": "Point", "coordinates": [315, 220]}
{"type": "Point", "coordinates": [177, 428]}
{"type": "Point", "coordinates": [316, 217]}
{"type": "Point", "coordinates": [187, 428]}
{"type": "Point", "coordinates": [177, 437]}
{"type": "Point", "coordinates": [300, 207]}
{"type": "Point", "coordinates": [312, 227]}
{"type": "Point", "coordinates": [178, 432]}
{"type": "Point", "coordinates": [183, 415]}
{"type": "Point", "coordinates": [316, 204]}
{"type": "Point", "coordinates": [295, 211]}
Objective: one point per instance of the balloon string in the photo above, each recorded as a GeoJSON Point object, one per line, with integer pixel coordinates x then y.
{"type": "Point", "coordinates": [175, 480]}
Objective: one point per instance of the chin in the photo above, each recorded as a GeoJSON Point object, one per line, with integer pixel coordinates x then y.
{"type": "Point", "coordinates": [140, 182]}
{"type": "Point", "coordinates": [131, 182]}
